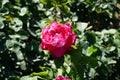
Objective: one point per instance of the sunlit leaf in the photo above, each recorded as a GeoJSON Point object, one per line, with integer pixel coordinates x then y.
{"type": "Point", "coordinates": [23, 37]}
{"type": "Point", "coordinates": [91, 50]}
{"type": "Point", "coordinates": [8, 17]}
{"type": "Point", "coordinates": [1, 25]}
{"type": "Point", "coordinates": [28, 78]}
{"type": "Point", "coordinates": [43, 1]}
{"type": "Point", "coordinates": [41, 74]}
{"type": "Point", "coordinates": [74, 47]}
{"type": "Point", "coordinates": [23, 11]}
{"type": "Point", "coordinates": [4, 2]}
{"type": "Point", "coordinates": [16, 24]}
{"type": "Point", "coordinates": [81, 26]}
{"type": "Point", "coordinates": [74, 18]}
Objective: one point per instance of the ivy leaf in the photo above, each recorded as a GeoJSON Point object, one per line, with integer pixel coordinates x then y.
{"type": "Point", "coordinates": [13, 78]}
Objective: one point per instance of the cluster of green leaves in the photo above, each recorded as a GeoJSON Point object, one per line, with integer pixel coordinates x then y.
{"type": "Point", "coordinates": [94, 57]}
{"type": "Point", "coordinates": [101, 54]}
{"type": "Point", "coordinates": [99, 13]}
{"type": "Point", "coordinates": [20, 53]}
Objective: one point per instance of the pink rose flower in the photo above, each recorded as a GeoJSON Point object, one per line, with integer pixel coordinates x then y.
{"type": "Point", "coordinates": [60, 77]}
{"type": "Point", "coordinates": [57, 38]}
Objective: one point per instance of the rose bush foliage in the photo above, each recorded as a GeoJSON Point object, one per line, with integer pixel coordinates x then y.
{"type": "Point", "coordinates": [86, 36]}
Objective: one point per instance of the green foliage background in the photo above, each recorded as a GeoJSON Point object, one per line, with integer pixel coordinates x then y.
{"type": "Point", "coordinates": [96, 55]}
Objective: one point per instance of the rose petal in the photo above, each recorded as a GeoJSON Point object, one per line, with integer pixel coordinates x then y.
{"type": "Point", "coordinates": [57, 38]}
{"type": "Point", "coordinates": [58, 52]}
{"type": "Point", "coordinates": [60, 77]}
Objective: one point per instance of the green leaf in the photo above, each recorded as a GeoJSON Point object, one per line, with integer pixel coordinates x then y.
{"type": "Point", "coordinates": [8, 18]}
{"type": "Point", "coordinates": [13, 78]}
{"type": "Point", "coordinates": [43, 68]}
{"type": "Point", "coordinates": [35, 1]}
{"type": "Point", "coordinates": [91, 37]}
{"type": "Point", "coordinates": [18, 53]}
{"type": "Point", "coordinates": [4, 2]}
{"type": "Point", "coordinates": [98, 10]}
{"type": "Point", "coordinates": [13, 44]}
{"type": "Point", "coordinates": [41, 74]}
{"type": "Point", "coordinates": [118, 52]}
{"type": "Point", "coordinates": [92, 73]}
{"type": "Point", "coordinates": [117, 42]}
{"type": "Point", "coordinates": [64, 8]}
{"type": "Point", "coordinates": [81, 26]}
{"type": "Point", "coordinates": [43, 1]}
{"type": "Point", "coordinates": [59, 61]}
{"type": "Point", "coordinates": [10, 44]}
{"type": "Point", "coordinates": [23, 11]}
{"type": "Point", "coordinates": [76, 55]}
{"type": "Point", "coordinates": [69, 1]}
{"type": "Point", "coordinates": [28, 78]}
{"type": "Point", "coordinates": [1, 25]}
{"type": "Point", "coordinates": [17, 1]}
{"type": "Point", "coordinates": [92, 62]}
{"type": "Point", "coordinates": [22, 64]}
{"type": "Point", "coordinates": [74, 47]}
{"type": "Point", "coordinates": [74, 18]}
{"type": "Point", "coordinates": [110, 31]}
{"type": "Point", "coordinates": [111, 61]}
{"type": "Point", "coordinates": [17, 36]}
{"type": "Point", "coordinates": [112, 48]}
{"type": "Point", "coordinates": [16, 24]}
{"type": "Point", "coordinates": [104, 6]}
{"type": "Point", "coordinates": [109, 13]}
{"type": "Point", "coordinates": [91, 50]}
